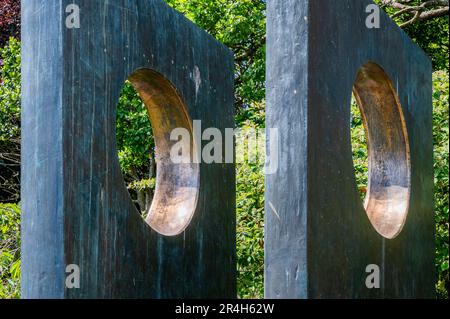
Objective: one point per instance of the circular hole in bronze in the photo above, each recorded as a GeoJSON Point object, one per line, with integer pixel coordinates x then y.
{"type": "Point", "coordinates": [388, 190]}
{"type": "Point", "coordinates": [177, 185]}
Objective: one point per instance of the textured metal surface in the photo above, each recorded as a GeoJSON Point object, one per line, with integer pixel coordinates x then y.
{"type": "Point", "coordinates": [319, 238]}
{"type": "Point", "coordinates": [76, 209]}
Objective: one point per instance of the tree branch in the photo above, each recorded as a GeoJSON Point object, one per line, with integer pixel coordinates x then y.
{"type": "Point", "coordinates": [412, 12]}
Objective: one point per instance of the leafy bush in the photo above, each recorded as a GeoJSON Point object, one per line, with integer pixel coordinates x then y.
{"type": "Point", "coordinates": [10, 122]}
{"type": "Point", "coordinates": [241, 26]}
{"type": "Point", "coordinates": [250, 213]}
{"type": "Point", "coordinates": [250, 234]}
{"type": "Point", "coordinates": [430, 34]}
{"type": "Point", "coordinates": [9, 251]}
{"type": "Point", "coordinates": [359, 148]}
{"type": "Point", "coordinates": [440, 136]}
{"type": "Point", "coordinates": [136, 147]}
{"type": "Point", "coordinates": [9, 169]}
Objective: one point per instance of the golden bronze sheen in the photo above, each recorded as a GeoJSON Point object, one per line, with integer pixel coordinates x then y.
{"type": "Point", "coordinates": [388, 192]}
{"type": "Point", "coordinates": [177, 185]}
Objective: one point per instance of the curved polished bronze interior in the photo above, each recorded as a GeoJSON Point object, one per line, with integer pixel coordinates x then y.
{"type": "Point", "coordinates": [388, 192]}
{"type": "Point", "coordinates": [177, 185]}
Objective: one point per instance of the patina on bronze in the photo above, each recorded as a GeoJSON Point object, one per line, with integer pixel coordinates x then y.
{"type": "Point", "coordinates": [76, 209]}
{"type": "Point", "coordinates": [388, 192]}
{"type": "Point", "coordinates": [177, 184]}
{"type": "Point", "coordinates": [319, 237]}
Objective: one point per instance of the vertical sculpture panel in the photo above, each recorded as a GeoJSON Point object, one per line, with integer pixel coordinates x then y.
{"type": "Point", "coordinates": [321, 240]}
{"type": "Point", "coordinates": [76, 208]}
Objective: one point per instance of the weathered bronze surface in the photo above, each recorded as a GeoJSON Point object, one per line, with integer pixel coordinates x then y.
{"type": "Point", "coordinates": [388, 193]}
{"type": "Point", "coordinates": [76, 208]}
{"type": "Point", "coordinates": [319, 237]}
{"type": "Point", "coordinates": [177, 184]}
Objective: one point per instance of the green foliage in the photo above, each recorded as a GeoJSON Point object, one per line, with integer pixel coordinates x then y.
{"type": "Point", "coordinates": [9, 169]}
{"type": "Point", "coordinates": [9, 251]}
{"type": "Point", "coordinates": [441, 190]}
{"type": "Point", "coordinates": [135, 142]}
{"type": "Point", "coordinates": [359, 148]}
{"type": "Point", "coordinates": [250, 218]}
{"type": "Point", "coordinates": [250, 234]}
{"type": "Point", "coordinates": [430, 35]}
{"type": "Point", "coordinates": [149, 183]}
{"type": "Point", "coordinates": [10, 90]}
{"type": "Point", "coordinates": [10, 121]}
{"type": "Point", "coordinates": [134, 135]}
{"type": "Point", "coordinates": [240, 25]}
